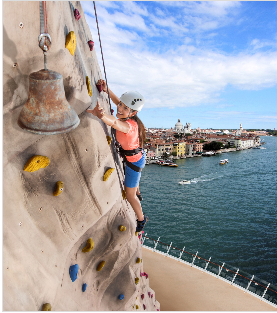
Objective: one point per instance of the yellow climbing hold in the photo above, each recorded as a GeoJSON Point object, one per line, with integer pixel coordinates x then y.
{"type": "Point", "coordinates": [59, 188]}
{"type": "Point", "coordinates": [89, 246]}
{"type": "Point", "coordinates": [109, 139]}
{"type": "Point", "coordinates": [88, 86]}
{"type": "Point", "coordinates": [138, 260]}
{"type": "Point", "coordinates": [100, 266]}
{"type": "Point", "coordinates": [136, 233]}
{"type": "Point", "coordinates": [122, 228]}
{"type": "Point", "coordinates": [71, 42]}
{"type": "Point", "coordinates": [36, 162]}
{"type": "Point", "coordinates": [137, 307]}
{"type": "Point", "coordinates": [107, 174]}
{"type": "Point", "coordinates": [136, 280]}
{"type": "Point", "coordinates": [46, 307]}
{"type": "Point", "coordinates": [123, 194]}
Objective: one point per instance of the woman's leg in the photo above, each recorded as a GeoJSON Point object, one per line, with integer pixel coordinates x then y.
{"type": "Point", "coordinates": [134, 201]}
{"type": "Point", "coordinates": [138, 193]}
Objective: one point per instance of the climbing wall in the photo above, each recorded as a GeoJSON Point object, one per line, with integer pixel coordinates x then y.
{"type": "Point", "coordinates": [69, 239]}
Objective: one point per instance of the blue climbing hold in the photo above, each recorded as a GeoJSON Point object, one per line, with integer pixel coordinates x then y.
{"type": "Point", "coordinates": [121, 297]}
{"type": "Point", "coordinates": [84, 287]}
{"type": "Point", "coordinates": [73, 271]}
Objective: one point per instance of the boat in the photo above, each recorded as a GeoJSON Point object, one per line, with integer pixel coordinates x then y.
{"type": "Point", "coordinates": [222, 162]}
{"type": "Point", "coordinates": [208, 153]}
{"type": "Point", "coordinates": [184, 182]}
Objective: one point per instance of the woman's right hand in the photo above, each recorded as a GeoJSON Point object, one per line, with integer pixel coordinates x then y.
{"type": "Point", "coordinates": [103, 83]}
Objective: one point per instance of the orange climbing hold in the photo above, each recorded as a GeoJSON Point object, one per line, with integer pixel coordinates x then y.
{"type": "Point", "coordinates": [71, 42]}
{"type": "Point", "coordinates": [100, 266]}
{"type": "Point", "coordinates": [109, 139]}
{"type": "Point", "coordinates": [89, 246]}
{"type": "Point", "coordinates": [122, 228]}
{"type": "Point", "coordinates": [59, 188]}
{"type": "Point", "coordinates": [88, 86]}
{"type": "Point", "coordinates": [46, 307]}
{"type": "Point", "coordinates": [36, 162]}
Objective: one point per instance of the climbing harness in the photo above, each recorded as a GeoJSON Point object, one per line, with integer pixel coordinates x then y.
{"type": "Point", "coordinates": [123, 153]}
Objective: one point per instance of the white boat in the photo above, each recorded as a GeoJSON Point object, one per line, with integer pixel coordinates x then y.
{"type": "Point", "coordinates": [222, 162]}
{"type": "Point", "coordinates": [184, 182]}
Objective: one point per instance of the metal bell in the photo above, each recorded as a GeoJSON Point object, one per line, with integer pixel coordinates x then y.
{"type": "Point", "coordinates": [47, 111]}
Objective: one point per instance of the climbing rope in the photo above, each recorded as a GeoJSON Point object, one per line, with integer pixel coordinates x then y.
{"type": "Point", "coordinates": [102, 55]}
{"type": "Point", "coordinates": [196, 256]}
{"type": "Point", "coordinates": [46, 43]}
{"type": "Point", "coordinates": [113, 131]}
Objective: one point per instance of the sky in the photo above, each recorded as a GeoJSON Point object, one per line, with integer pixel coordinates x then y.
{"type": "Point", "coordinates": [212, 63]}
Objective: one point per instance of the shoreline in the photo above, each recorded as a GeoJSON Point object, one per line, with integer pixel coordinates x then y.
{"type": "Point", "coordinates": [180, 287]}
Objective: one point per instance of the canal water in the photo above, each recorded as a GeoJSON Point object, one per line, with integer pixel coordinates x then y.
{"type": "Point", "coordinates": [227, 212]}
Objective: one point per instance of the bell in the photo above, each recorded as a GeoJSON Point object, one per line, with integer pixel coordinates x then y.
{"type": "Point", "coordinates": [47, 111]}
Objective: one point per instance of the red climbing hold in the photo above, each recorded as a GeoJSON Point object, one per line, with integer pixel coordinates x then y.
{"type": "Point", "coordinates": [91, 44]}
{"type": "Point", "coordinates": [152, 296]}
{"type": "Point", "coordinates": [112, 110]}
{"type": "Point", "coordinates": [149, 294]}
{"type": "Point", "coordinates": [142, 296]}
{"type": "Point", "coordinates": [144, 306]}
{"type": "Point", "coordinates": [77, 14]}
{"type": "Point", "coordinates": [99, 87]}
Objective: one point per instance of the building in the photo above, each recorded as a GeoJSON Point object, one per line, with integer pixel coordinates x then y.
{"type": "Point", "coordinates": [179, 148]}
{"type": "Point", "coordinates": [179, 126]}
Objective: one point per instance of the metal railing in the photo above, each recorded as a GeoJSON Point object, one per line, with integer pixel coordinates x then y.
{"type": "Point", "coordinates": [248, 283]}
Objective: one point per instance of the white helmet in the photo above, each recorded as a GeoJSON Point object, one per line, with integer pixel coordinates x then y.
{"type": "Point", "coordinates": [133, 100]}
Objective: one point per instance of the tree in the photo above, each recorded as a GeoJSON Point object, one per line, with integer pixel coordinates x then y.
{"type": "Point", "coordinates": [214, 145]}
{"type": "Point", "coordinates": [174, 153]}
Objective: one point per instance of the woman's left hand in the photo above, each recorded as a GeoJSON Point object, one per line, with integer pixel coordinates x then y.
{"type": "Point", "coordinates": [97, 111]}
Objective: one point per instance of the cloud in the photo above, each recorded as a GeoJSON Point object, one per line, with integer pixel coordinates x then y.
{"type": "Point", "coordinates": [182, 75]}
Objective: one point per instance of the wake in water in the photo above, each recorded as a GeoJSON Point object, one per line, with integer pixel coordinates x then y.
{"type": "Point", "coordinates": [203, 178]}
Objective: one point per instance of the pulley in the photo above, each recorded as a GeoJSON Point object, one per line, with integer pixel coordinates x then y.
{"type": "Point", "coordinates": [47, 112]}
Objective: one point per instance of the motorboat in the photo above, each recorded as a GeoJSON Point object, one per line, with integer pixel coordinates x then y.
{"type": "Point", "coordinates": [184, 182]}
{"type": "Point", "coordinates": [222, 162]}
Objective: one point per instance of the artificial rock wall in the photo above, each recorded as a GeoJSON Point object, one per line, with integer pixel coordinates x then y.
{"type": "Point", "coordinates": [43, 234]}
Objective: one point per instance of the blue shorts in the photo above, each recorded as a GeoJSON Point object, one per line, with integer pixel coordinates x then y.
{"type": "Point", "coordinates": [132, 177]}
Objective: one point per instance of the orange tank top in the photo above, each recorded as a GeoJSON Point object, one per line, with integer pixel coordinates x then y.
{"type": "Point", "coordinates": [130, 140]}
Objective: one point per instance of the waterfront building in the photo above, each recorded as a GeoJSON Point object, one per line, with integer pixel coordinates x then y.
{"type": "Point", "coordinates": [160, 149]}
{"type": "Point", "coordinates": [179, 148]}
{"type": "Point", "coordinates": [189, 148]}
{"type": "Point", "coordinates": [198, 147]}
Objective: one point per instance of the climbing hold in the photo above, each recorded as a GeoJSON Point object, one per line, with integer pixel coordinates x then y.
{"type": "Point", "coordinates": [71, 42]}
{"type": "Point", "coordinates": [138, 260]}
{"type": "Point", "coordinates": [152, 296]}
{"type": "Point", "coordinates": [112, 110]}
{"type": "Point", "coordinates": [107, 174]}
{"type": "Point", "coordinates": [84, 287]}
{"type": "Point", "coordinates": [136, 233]}
{"type": "Point", "coordinates": [142, 296]}
{"type": "Point", "coordinates": [99, 87]}
{"type": "Point", "coordinates": [123, 194]}
{"type": "Point", "coordinates": [109, 139]}
{"type": "Point", "coordinates": [59, 188]}
{"type": "Point", "coordinates": [73, 271]}
{"type": "Point", "coordinates": [121, 297]}
{"type": "Point", "coordinates": [88, 86]}
{"type": "Point", "coordinates": [77, 14]}
{"type": "Point", "coordinates": [46, 307]}
{"type": "Point", "coordinates": [35, 163]}
{"type": "Point", "coordinates": [122, 228]}
{"type": "Point", "coordinates": [100, 266]}
{"type": "Point", "coordinates": [158, 310]}
{"type": "Point", "coordinates": [144, 306]}
{"type": "Point", "coordinates": [91, 44]}
{"type": "Point", "coordinates": [89, 246]}
{"type": "Point", "coordinates": [137, 307]}
{"type": "Point", "coordinates": [136, 280]}
{"type": "Point", "coordinates": [149, 294]}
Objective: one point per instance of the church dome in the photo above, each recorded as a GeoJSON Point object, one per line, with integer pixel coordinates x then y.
{"type": "Point", "coordinates": [178, 125]}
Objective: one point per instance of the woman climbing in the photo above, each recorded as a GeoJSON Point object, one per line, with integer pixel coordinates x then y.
{"type": "Point", "coordinates": [130, 134]}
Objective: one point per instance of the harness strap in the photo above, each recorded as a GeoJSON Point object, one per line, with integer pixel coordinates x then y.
{"type": "Point", "coordinates": [132, 166]}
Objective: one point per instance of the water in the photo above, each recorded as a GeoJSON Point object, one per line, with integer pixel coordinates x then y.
{"type": "Point", "coordinates": [227, 212]}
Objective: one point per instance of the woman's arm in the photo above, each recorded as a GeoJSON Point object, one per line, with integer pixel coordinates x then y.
{"type": "Point", "coordinates": [109, 119]}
